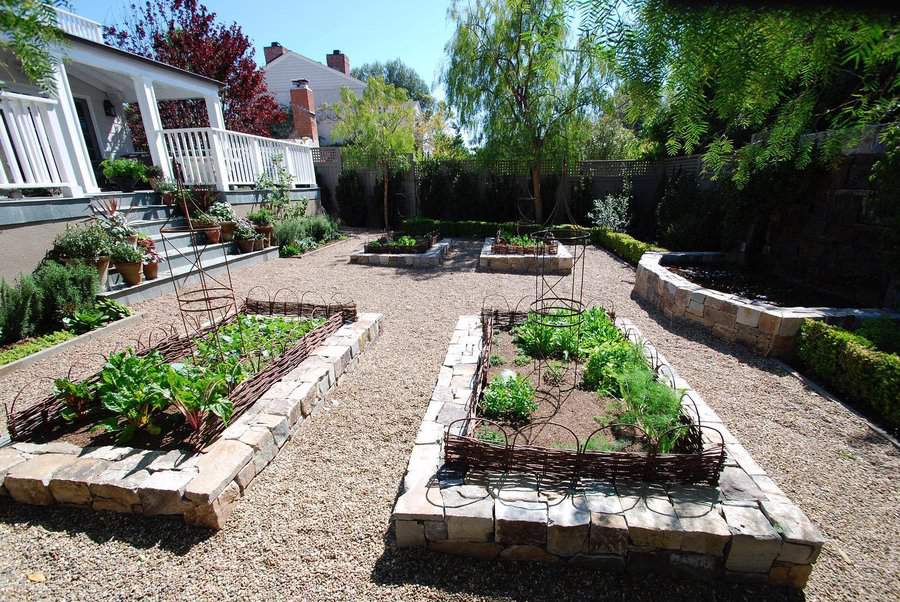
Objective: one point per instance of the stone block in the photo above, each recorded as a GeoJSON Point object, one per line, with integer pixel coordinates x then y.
{"type": "Point", "coordinates": [435, 530]}
{"type": "Point", "coordinates": [784, 574]}
{"type": "Point", "coordinates": [55, 447]}
{"type": "Point", "coordinates": [28, 482]}
{"type": "Point", "coordinates": [695, 566]}
{"type": "Point", "coordinates": [789, 326]}
{"type": "Point", "coordinates": [530, 553]}
{"type": "Point", "coordinates": [275, 424]}
{"type": "Point", "coordinates": [652, 522]}
{"type": "Point", "coordinates": [735, 484]}
{"type": "Point", "coordinates": [10, 457]}
{"type": "Point", "coordinates": [69, 485]}
{"type": "Point", "coordinates": [338, 356]}
{"type": "Point", "coordinates": [466, 548]}
{"type": "Point", "coordinates": [162, 492]}
{"type": "Point", "coordinates": [802, 539]}
{"type": "Point", "coordinates": [568, 528]}
{"type": "Point", "coordinates": [409, 533]}
{"type": "Point", "coordinates": [430, 433]}
{"type": "Point", "coordinates": [469, 512]}
{"type": "Point", "coordinates": [608, 534]}
{"type": "Point", "coordinates": [739, 454]}
{"type": "Point", "coordinates": [421, 504]}
{"type": "Point", "coordinates": [217, 468]}
{"type": "Point", "coordinates": [754, 543]}
{"type": "Point", "coordinates": [214, 515]}
{"type": "Point", "coordinates": [263, 444]}
{"type": "Point", "coordinates": [451, 412]}
{"type": "Point", "coordinates": [769, 323]}
{"type": "Point", "coordinates": [246, 476]}
{"type": "Point", "coordinates": [110, 453]}
{"type": "Point", "coordinates": [117, 487]}
{"type": "Point", "coordinates": [705, 530]}
{"type": "Point", "coordinates": [520, 522]}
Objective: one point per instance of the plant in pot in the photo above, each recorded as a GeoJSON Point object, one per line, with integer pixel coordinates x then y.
{"type": "Point", "coordinates": [106, 210]}
{"type": "Point", "coordinates": [124, 174]}
{"type": "Point", "coordinates": [262, 219]}
{"type": "Point", "coordinates": [129, 262]}
{"type": "Point", "coordinates": [166, 190]}
{"type": "Point", "coordinates": [209, 225]}
{"type": "Point", "coordinates": [223, 212]}
{"type": "Point", "coordinates": [89, 243]}
{"type": "Point", "coordinates": [151, 257]}
{"type": "Point", "coordinates": [245, 235]}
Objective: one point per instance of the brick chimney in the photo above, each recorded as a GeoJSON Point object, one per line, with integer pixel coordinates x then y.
{"type": "Point", "coordinates": [273, 51]}
{"type": "Point", "coordinates": [338, 61]}
{"type": "Point", "coordinates": [303, 107]}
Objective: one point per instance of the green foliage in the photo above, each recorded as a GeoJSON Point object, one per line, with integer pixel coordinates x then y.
{"type": "Point", "coordinates": [351, 198]}
{"type": "Point", "coordinates": [521, 240]}
{"type": "Point", "coordinates": [850, 365]}
{"type": "Point", "coordinates": [510, 398]}
{"type": "Point", "coordinates": [77, 397]}
{"type": "Point", "coordinates": [85, 320]}
{"type": "Point", "coordinates": [400, 75]}
{"type": "Point", "coordinates": [198, 392]}
{"type": "Point", "coordinates": [112, 309]}
{"type": "Point", "coordinates": [88, 242]}
{"type": "Point", "coordinates": [542, 337]}
{"type": "Point", "coordinates": [613, 211]}
{"type": "Point", "coordinates": [490, 435]}
{"type": "Point", "coordinates": [29, 30]}
{"type": "Point", "coordinates": [245, 231]}
{"type": "Point", "coordinates": [519, 75]}
{"type": "Point", "coordinates": [883, 332]}
{"type": "Point", "coordinates": [132, 388]}
{"type": "Point", "coordinates": [745, 83]}
{"type": "Point", "coordinates": [652, 405]}
{"type": "Point", "coordinates": [222, 211]}
{"type": "Point", "coordinates": [521, 360]}
{"type": "Point", "coordinates": [627, 247]}
{"type": "Point", "coordinates": [296, 236]}
{"type": "Point", "coordinates": [65, 289]}
{"type": "Point", "coordinates": [606, 364]}
{"type": "Point", "coordinates": [495, 360]}
{"type": "Point", "coordinates": [21, 308]}
{"type": "Point", "coordinates": [26, 348]}
{"type": "Point", "coordinates": [261, 217]}
{"type": "Point", "coordinates": [266, 337]}
{"type": "Point", "coordinates": [124, 168]}
{"type": "Point", "coordinates": [688, 218]}
{"type": "Point", "coordinates": [554, 374]}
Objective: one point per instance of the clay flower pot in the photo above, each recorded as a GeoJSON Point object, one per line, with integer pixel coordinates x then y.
{"type": "Point", "coordinates": [259, 244]}
{"type": "Point", "coordinates": [266, 232]}
{"type": "Point", "coordinates": [228, 231]}
{"type": "Point", "coordinates": [213, 234]}
{"type": "Point", "coordinates": [245, 245]}
{"type": "Point", "coordinates": [131, 272]}
{"type": "Point", "coordinates": [151, 271]}
{"type": "Point", "coordinates": [102, 265]}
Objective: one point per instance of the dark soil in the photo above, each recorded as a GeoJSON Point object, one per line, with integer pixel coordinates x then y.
{"type": "Point", "coordinates": [567, 405]}
{"type": "Point", "coordinates": [175, 433]}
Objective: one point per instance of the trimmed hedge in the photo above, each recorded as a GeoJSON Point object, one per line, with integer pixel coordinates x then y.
{"type": "Point", "coordinates": [852, 366]}
{"type": "Point", "coordinates": [627, 247]}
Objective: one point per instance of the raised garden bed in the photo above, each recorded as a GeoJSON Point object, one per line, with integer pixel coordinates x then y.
{"type": "Point", "coordinates": [506, 243]}
{"type": "Point", "coordinates": [403, 244]}
{"type": "Point", "coordinates": [511, 501]}
{"type": "Point", "coordinates": [517, 259]}
{"type": "Point", "coordinates": [196, 471]}
{"type": "Point", "coordinates": [425, 251]}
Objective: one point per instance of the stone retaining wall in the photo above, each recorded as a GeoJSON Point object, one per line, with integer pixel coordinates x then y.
{"type": "Point", "coordinates": [561, 263]}
{"type": "Point", "coordinates": [745, 529]}
{"type": "Point", "coordinates": [765, 328]}
{"type": "Point", "coordinates": [430, 259]}
{"type": "Point", "coordinates": [201, 487]}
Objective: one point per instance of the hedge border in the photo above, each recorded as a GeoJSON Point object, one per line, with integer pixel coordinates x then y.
{"type": "Point", "coordinates": [623, 245]}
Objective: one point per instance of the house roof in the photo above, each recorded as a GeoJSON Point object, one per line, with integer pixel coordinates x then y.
{"type": "Point", "coordinates": [350, 79]}
{"type": "Point", "coordinates": [144, 59]}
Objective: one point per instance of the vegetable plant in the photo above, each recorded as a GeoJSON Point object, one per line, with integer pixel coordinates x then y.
{"type": "Point", "coordinates": [495, 360]}
{"type": "Point", "coordinates": [553, 376]}
{"type": "Point", "coordinates": [77, 397]}
{"type": "Point", "coordinates": [85, 320]}
{"type": "Point", "coordinates": [197, 392]}
{"type": "Point", "coordinates": [521, 240]}
{"type": "Point", "coordinates": [510, 398]}
{"type": "Point", "coordinates": [112, 309]}
{"type": "Point", "coordinates": [132, 388]}
{"type": "Point", "coordinates": [652, 405]}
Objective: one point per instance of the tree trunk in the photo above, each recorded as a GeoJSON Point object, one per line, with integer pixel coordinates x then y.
{"type": "Point", "coordinates": [387, 225]}
{"type": "Point", "coordinates": [538, 199]}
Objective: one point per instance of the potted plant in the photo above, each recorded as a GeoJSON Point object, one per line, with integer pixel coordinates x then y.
{"type": "Point", "coordinates": [223, 212]}
{"type": "Point", "coordinates": [166, 190]}
{"type": "Point", "coordinates": [128, 261]}
{"type": "Point", "coordinates": [209, 226]}
{"type": "Point", "coordinates": [151, 257]}
{"type": "Point", "coordinates": [262, 219]}
{"type": "Point", "coordinates": [245, 235]}
{"type": "Point", "coordinates": [113, 221]}
{"type": "Point", "coordinates": [90, 244]}
{"type": "Point", "coordinates": [125, 174]}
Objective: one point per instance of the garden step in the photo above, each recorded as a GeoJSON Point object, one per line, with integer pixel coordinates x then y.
{"type": "Point", "coordinates": [182, 256]}
{"type": "Point", "coordinates": [150, 289]}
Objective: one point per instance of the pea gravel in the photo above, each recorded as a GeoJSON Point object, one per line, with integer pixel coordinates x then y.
{"type": "Point", "coordinates": [314, 525]}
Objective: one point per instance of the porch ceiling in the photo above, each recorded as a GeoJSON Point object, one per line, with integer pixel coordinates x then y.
{"type": "Point", "coordinates": [121, 86]}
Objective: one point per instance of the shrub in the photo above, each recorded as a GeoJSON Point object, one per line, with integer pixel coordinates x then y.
{"type": "Point", "coordinates": [883, 332]}
{"type": "Point", "coordinates": [82, 242]}
{"type": "Point", "coordinates": [321, 228]}
{"type": "Point", "coordinates": [510, 398]}
{"type": "Point", "coordinates": [612, 211]}
{"type": "Point", "coordinates": [688, 218]}
{"type": "Point", "coordinates": [65, 289]}
{"type": "Point", "coordinates": [628, 248]}
{"type": "Point", "coordinates": [850, 365]}
{"type": "Point", "coordinates": [351, 198]}
{"type": "Point", "coordinates": [261, 217]}
{"type": "Point", "coordinates": [20, 309]}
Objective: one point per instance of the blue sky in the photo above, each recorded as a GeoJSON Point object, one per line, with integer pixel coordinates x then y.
{"type": "Point", "coordinates": [365, 30]}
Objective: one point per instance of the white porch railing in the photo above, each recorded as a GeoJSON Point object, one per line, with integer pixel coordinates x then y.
{"type": "Point", "coordinates": [225, 158]}
{"type": "Point", "coordinates": [79, 26]}
{"type": "Point", "coordinates": [33, 152]}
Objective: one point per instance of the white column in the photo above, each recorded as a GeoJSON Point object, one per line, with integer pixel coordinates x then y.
{"type": "Point", "coordinates": [218, 139]}
{"type": "Point", "coordinates": [146, 98]}
{"type": "Point", "coordinates": [85, 181]}
{"type": "Point", "coordinates": [214, 110]}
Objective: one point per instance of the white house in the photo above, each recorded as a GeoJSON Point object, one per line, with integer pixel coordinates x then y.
{"type": "Point", "coordinates": [57, 141]}
{"type": "Point", "coordinates": [286, 70]}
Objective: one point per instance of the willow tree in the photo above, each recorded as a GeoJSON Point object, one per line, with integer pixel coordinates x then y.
{"type": "Point", "coordinates": [28, 29]}
{"type": "Point", "coordinates": [518, 76]}
{"type": "Point", "coordinates": [744, 84]}
{"type": "Point", "coordinates": [377, 130]}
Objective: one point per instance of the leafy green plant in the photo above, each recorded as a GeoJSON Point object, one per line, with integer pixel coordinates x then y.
{"type": "Point", "coordinates": [112, 309]}
{"type": "Point", "coordinates": [606, 363]}
{"type": "Point", "coordinates": [124, 168]}
{"type": "Point", "coordinates": [77, 397]}
{"type": "Point", "coordinates": [883, 332]}
{"type": "Point", "coordinates": [222, 211]}
{"type": "Point", "coordinates": [652, 405]}
{"type": "Point", "coordinates": [521, 360]}
{"type": "Point", "coordinates": [510, 398]}
{"type": "Point", "coordinates": [261, 217]}
{"type": "Point", "coordinates": [262, 337]}
{"type": "Point", "coordinates": [197, 393]}
{"type": "Point", "coordinates": [521, 240]}
{"type": "Point", "coordinates": [495, 360]}
{"type": "Point", "coordinates": [85, 320]}
{"type": "Point", "coordinates": [132, 388]}
{"type": "Point", "coordinates": [204, 220]}
{"type": "Point", "coordinates": [124, 253]}
{"type": "Point", "coordinates": [26, 348]}
{"type": "Point", "coordinates": [489, 435]}
{"type": "Point", "coordinates": [82, 242]}
{"type": "Point", "coordinates": [289, 250]}
{"type": "Point", "coordinates": [245, 231]}
{"type": "Point", "coordinates": [554, 374]}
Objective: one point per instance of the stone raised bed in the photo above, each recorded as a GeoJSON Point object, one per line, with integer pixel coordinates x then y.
{"type": "Point", "coordinates": [560, 262]}
{"type": "Point", "coordinates": [200, 486]}
{"type": "Point", "coordinates": [767, 329]}
{"type": "Point", "coordinates": [429, 259]}
{"type": "Point", "coordinates": [744, 529]}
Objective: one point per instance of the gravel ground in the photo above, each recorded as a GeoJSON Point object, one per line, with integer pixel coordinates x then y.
{"type": "Point", "coordinates": [314, 525]}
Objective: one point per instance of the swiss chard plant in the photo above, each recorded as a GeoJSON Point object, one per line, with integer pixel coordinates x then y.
{"type": "Point", "coordinates": [133, 389]}
{"type": "Point", "coordinates": [78, 397]}
{"type": "Point", "coordinates": [197, 393]}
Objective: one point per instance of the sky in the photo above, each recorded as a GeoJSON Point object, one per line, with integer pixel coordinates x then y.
{"type": "Point", "coordinates": [364, 30]}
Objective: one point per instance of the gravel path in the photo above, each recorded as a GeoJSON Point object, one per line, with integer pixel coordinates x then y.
{"type": "Point", "coordinates": [314, 525]}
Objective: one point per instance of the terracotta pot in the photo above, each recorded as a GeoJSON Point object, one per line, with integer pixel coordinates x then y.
{"type": "Point", "coordinates": [228, 231]}
{"type": "Point", "coordinates": [131, 272]}
{"type": "Point", "coordinates": [151, 271]}
{"type": "Point", "coordinates": [102, 271]}
{"type": "Point", "coordinates": [132, 240]}
{"type": "Point", "coordinates": [246, 245]}
{"type": "Point", "coordinates": [266, 231]}
{"type": "Point", "coordinates": [259, 244]}
{"type": "Point", "coordinates": [213, 235]}
{"type": "Point", "coordinates": [168, 199]}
